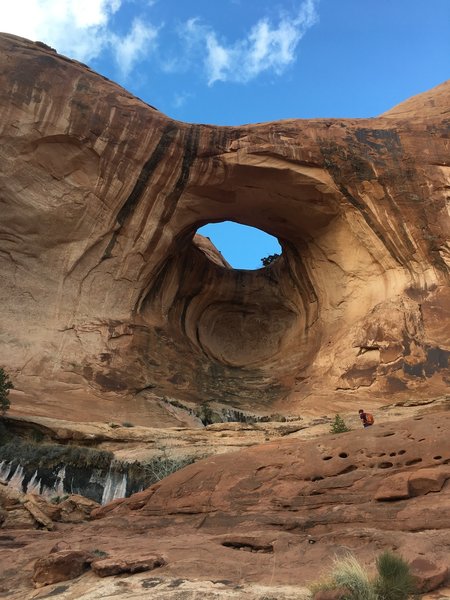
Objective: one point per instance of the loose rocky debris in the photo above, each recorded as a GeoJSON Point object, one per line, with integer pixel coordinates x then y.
{"type": "Point", "coordinates": [31, 511]}
{"type": "Point", "coordinates": [67, 564]}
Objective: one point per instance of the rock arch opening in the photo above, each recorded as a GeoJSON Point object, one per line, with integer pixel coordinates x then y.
{"type": "Point", "coordinates": [242, 246]}
{"type": "Point", "coordinates": [250, 335]}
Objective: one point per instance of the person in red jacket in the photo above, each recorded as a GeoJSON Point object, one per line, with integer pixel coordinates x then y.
{"type": "Point", "coordinates": [366, 418]}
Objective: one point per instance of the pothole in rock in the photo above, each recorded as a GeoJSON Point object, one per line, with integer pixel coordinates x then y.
{"type": "Point", "coordinates": [248, 547]}
{"type": "Point", "coordinates": [413, 461]}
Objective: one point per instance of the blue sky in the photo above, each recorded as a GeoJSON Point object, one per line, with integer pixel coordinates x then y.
{"type": "Point", "coordinates": [231, 62]}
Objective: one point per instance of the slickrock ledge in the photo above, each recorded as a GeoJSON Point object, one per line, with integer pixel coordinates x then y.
{"type": "Point", "coordinates": [272, 515]}
{"type": "Point", "coordinates": [109, 296]}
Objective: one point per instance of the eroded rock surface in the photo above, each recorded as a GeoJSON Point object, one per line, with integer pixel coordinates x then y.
{"type": "Point", "coordinates": [106, 293]}
{"type": "Point", "coordinates": [273, 515]}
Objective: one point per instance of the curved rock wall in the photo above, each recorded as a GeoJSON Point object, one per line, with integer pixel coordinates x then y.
{"type": "Point", "coordinates": [107, 292]}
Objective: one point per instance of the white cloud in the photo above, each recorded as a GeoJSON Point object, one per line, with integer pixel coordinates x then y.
{"type": "Point", "coordinates": [267, 47]}
{"type": "Point", "coordinates": [134, 46]}
{"type": "Point", "coordinates": [220, 61]}
{"type": "Point", "coordinates": [81, 29]}
{"type": "Point", "coordinates": [87, 29]}
{"type": "Point", "coordinates": [180, 99]}
{"type": "Point", "coordinates": [77, 28]}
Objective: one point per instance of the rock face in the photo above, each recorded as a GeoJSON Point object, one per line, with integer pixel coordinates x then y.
{"type": "Point", "coordinates": [273, 515]}
{"type": "Point", "coordinates": [107, 292]}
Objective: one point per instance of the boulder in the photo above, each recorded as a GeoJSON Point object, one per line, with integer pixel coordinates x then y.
{"type": "Point", "coordinates": [17, 517]}
{"type": "Point", "coordinates": [105, 567]}
{"type": "Point", "coordinates": [39, 516]}
{"type": "Point", "coordinates": [418, 483]}
{"type": "Point", "coordinates": [424, 481]}
{"type": "Point", "coordinates": [394, 487]}
{"type": "Point", "coordinates": [61, 565]}
{"type": "Point", "coordinates": [428, 575]}
{"type": "Point", "coordinates": [76, 508]}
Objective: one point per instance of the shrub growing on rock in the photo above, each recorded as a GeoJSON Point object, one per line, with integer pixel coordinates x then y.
{"type": "Point", "coordinates": [164, 465]}
{"type": "Point", "coordinates": [267, 260]}
{"type": "Point", "coordinates": [5, 386]}
{"type": "Point", "coordinates": [394, 581]}
{"type": "Point", "coordinates": [350, 581]}
{"type": "Point", "coordinates": [338, 425]}
{"type": "Point", "coordinates": [349, 574]}
{"type": "Point", "coordinates": [35, 455]}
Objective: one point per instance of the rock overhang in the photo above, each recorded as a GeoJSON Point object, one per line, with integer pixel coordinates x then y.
{"type": "Point", "coordinates": [105, 195]}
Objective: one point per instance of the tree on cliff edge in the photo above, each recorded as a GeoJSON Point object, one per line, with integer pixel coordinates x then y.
{"type": "Point", "coordinates": [5, 385]}
{"type": "Point", "coordinates": [267, 260]}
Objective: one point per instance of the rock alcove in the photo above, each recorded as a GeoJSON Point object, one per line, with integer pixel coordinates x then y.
{"type": "Point", "coordinates": [107, 291]}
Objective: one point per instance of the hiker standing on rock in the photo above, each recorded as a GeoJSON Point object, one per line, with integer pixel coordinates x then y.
{"type": "Point", "coordinates": [366, 418]}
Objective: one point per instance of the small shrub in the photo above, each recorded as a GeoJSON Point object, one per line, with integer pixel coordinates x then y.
{"type": "Point", "coordinates": [58, 499]}
{"type": "Point", "coordinates": [5, 386]}
{"type": "Point", "coordinates": [5, 436]}
{"type": "Point", "coordinates": [205, 414]}
{"type": "Point", "coordinates": [394, 581]}
{"type": "Point", "coordinates": [267, 260]}
{"type": "Point", "coordinates": [338, 425]}
{"type": "Point", "coordinates": [37, 435]}
{"type": "Point", "coordinates": [100, 553]}
{"type": "Point", "coordinates": [349, 574]}
{"type": "Point", "coordinates": [162, 466]}
{"type": "Point", "coordinates": [127, 424]}
{"type": "Point", "coordinates": [35, 455]}
{"type": "Point", "coordinates": [113, 425]}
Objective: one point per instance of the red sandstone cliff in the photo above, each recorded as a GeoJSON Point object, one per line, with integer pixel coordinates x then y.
{"type": "Point", "coordinates": [106, 294]}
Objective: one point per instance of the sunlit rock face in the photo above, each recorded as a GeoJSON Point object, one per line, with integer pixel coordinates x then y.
{"type": "Point", "coordinates": [106, 287]}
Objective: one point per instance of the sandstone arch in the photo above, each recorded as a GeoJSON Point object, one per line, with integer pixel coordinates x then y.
{"type": "Point", "coordinates": [107, 290]}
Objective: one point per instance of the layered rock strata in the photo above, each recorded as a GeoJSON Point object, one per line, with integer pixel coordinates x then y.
{"type": "Point", "coordinates": [108, 293]}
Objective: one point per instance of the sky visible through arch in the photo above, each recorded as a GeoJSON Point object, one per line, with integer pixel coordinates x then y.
{"type": "Point", "coordinates": [230, 62]}
{"type": "Point", "coordinates": [242, 246]}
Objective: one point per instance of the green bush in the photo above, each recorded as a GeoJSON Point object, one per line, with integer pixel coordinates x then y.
{"type": "Point", "coordinates": [58, 499]}
{"type": "Point", "coordinates": [51, 455]}
{"type": "Point", "coordinates": [5, 386]}
{"type": "Point", "coordinates": [338, 425]}
{"type": "Point", "coordinates": [205, 414]}
{"type": "Point", "coordinates": [37, 435]}
{"type": "Point", "coordinates": [99, 553]}
{"type": "Point", "coordinates": [5, 435]}
{"type": "Point", "coordinates": [349, 574]}
{"type": "Point", "coordinates": [394, 581]}
{"type": "Point", "coordinates": [267, 260]}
